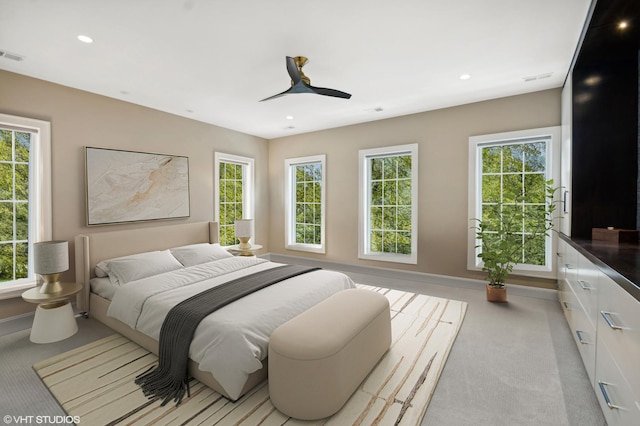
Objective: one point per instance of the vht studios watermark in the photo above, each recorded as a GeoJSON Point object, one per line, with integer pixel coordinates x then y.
{"type": "Point", "coordinates": [40, 420]}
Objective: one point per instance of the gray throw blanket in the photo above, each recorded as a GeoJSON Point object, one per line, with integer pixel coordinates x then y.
{"type": "Point", "coordinates": [169, 379]}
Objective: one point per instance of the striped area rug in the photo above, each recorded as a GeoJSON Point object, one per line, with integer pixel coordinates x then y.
{"type": "Point", "coordinates": [95, 382]}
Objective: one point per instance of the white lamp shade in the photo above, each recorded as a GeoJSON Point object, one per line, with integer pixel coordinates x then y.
{"type": "Point", "coordinates": [243, 228]}
{"type": "Point", "coordinates": [51, 257]}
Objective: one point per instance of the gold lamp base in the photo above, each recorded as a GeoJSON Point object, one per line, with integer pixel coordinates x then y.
{"type": "Point", "coordinates": [51, 284]}
{"type": "Point", "coordinates": [244, 243]}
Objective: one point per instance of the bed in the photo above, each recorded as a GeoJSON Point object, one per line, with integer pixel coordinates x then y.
{"type": "Point", "coordinates": [215, 345]}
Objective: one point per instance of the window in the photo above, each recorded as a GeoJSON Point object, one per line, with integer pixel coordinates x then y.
{"type": "Point", "coordinates": [389, 203]}
{"type": "Point", "coordinates": [25, 199]}
{"type": "Point", "coordinates": [508, 172]}
{"type": "Point", "coordinates": [304, 203]}
{"type": "Point", "coordinates": [234, 186]}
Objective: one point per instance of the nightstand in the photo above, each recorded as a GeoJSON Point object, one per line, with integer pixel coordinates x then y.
{"type": "Point", "coordinates": [54, 319]}
{"type": "Point", "coordinates": [244, 252]}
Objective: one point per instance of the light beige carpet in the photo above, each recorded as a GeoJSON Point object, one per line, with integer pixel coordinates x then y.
{"type": "Point", "coordinates": [95, 382]}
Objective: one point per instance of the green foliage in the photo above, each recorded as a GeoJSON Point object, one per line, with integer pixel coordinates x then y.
{"type": "Point", "coordinates": [517, 207]}
{"type": "Point", "coordinates": [14, 208]}
{"type": "Point", "coordinates": [390, 204]}
{"type": "Point", "coordinates": [514, 233]}
{"type": "Point", "coordinates": [230, 182]}
{"type": "Point", "coordinates": [308, 203]}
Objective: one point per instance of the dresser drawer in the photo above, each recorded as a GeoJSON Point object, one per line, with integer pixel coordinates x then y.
{"type": "Point", "coordinates": [619, 404]}
{"type": "Point", "coordinates": [568, 301]}
{"type": "Point", "coordinates": [586, 287]}
{"type": "Point", "coordinates": [570, 264]}
{"type": "Point", "coordinates": [562, 252]}
{"type": "Point", "coordinates": [583, 332]}
{"type": "Point", "coordinates": [619, 329]}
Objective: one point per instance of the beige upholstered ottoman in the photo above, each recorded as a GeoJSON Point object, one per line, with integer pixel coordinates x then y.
{"type": "Point", "coordinates": [319, 358]}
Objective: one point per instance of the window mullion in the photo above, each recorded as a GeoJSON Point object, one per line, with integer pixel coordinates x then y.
{"type": "Point", "coordinates": [383, 175]}
{"type": "Point", "coordinates": [305, 177]}
{"type": "Point", "coordinates": [531, 154]}
{"type": "Point", "coordinates": [234, 181]}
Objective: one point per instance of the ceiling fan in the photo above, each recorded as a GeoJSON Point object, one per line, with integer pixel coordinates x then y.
{"type": "Point", "coordinates": [300, 83]}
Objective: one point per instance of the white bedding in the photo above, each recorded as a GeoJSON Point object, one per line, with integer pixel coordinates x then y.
{"type": "Point", "coordinates": [103, 287]}
{"type": "Point", "coordinates": [232, 342]}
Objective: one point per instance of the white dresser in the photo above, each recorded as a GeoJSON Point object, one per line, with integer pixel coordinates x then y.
{"type": "Point", "coordinates": [605, 322]}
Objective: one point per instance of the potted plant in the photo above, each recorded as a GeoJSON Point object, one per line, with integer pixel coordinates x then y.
{"type": "Point", "coordinates": [502, 241]}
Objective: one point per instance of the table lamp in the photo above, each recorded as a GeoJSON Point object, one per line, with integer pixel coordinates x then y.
{"type": "Point", "coordinates": [51, 258]}
{"type": "Point", "coordinates": [243, 229]}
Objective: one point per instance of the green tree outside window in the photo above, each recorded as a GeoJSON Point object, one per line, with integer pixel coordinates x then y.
{"type": "Point", "coordinates": [15, 149]}
{"type": "Point", "coordinates": [308, 203]}
{"type": "Point", "coordinates": [231, 181]}
{"type": "Point", "coordinates": [390, 204]}
{"type": "Point", "coordinates": [514, 185]}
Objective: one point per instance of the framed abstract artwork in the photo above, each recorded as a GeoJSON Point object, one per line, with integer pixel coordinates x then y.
{"type": "Point", "coordinates": [128, 186]}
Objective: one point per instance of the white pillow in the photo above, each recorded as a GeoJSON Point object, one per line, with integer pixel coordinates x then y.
{"type": "Point", "coordinates": [102, 269]}
{"type": "Point", "coordinates": [130, 268]}
{"type": "Point", "coordinates": [195, 254]}
{"type": "Point", "coordinates": [103, 287]}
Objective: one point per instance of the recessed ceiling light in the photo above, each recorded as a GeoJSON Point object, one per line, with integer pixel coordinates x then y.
{"type": "Point", "coordinates": [623, 25]}
{"type": "Point", "coordinates": [85, 39]}
{"type": "Point", "coordinates": [465, 76]}
{"type": "Point", "coordinates": [289, 117]}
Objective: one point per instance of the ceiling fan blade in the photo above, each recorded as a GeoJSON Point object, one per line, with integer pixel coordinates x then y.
{"type": "Point", "coordinates": [330, 92]}
{"type": "Point", "coordinates": [293, 70]}
{"type": "Point", "coordinates": [286, 92]}
{"type": "Point", "coordinates": [299, 87]}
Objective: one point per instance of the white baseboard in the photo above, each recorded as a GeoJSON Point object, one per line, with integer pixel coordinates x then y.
{"type": "Point", "coordinates": [17, 317]}
{"type": "Point", "coordinates": [16, 323]}
{"type": "Point", "coordinates": [388, 273]}
{"type": "Point", "coordinates": [21, 322]}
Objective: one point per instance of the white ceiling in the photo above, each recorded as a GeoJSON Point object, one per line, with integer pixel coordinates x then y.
{"type": "Point", "coordinates": [213, 60]}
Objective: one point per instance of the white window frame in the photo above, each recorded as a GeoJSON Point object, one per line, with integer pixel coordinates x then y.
{"type": "Point", "coordinates": [248, 195]}
{"type": "Point", "coordinates": [476, 143]}
{"type": "Point", "coordinates": [290, 203]}
{"type": "Point", "coordinates": [364, 251]}
{"type": "Point", "coordinates": [40, 194]}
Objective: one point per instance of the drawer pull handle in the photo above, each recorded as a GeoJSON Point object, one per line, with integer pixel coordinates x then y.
{"type": "Point", "coordinates": [607, 400]}
{"type": "Point", "coordinates": [584, 285]}
{"type": "Point", "coordinates": [609, 321]}
{"type": "Point", "coordinates": [566, 305]}
{"type": "Point", "coordinates": [568, 266]}
{"type": "Point", "coordinates": [580, 339]}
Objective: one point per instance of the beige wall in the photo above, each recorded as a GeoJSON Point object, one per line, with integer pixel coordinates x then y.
{"type": "Point", "coordinates": [81, 119]}
{"type": "Point", "coordinates": [442, 137]}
